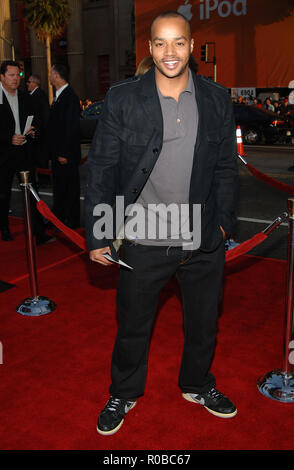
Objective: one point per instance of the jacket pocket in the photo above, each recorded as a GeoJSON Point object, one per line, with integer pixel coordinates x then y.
{"type": "Point", "coordinates": [214, 137]}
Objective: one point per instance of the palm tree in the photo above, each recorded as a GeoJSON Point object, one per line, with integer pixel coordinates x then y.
{"type": "Point", "coordinates": [48, 19]}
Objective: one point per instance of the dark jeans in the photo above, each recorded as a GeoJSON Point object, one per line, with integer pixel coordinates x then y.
{"type": "Point", "coordinates": [200, 277]}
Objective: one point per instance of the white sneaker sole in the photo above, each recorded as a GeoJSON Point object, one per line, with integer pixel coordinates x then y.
{"type": "Point", "coordinates": [188, 397]}
{"type": "Point", "coordinates": [113, 431]}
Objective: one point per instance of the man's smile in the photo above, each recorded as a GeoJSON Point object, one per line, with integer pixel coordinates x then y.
{"type": "Point", "coordinates": [170, 63]}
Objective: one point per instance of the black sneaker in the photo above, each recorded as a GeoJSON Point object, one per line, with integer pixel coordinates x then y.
{"type": "Point", "coordinates": [112, 416]}
{"type": "Point", "coordinates": [214, 401]}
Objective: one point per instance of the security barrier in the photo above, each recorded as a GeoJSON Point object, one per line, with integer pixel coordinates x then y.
{"type": "Point", "coordinates": [277, 384]}
{"type": "Point", "coordinates": [35, 305]}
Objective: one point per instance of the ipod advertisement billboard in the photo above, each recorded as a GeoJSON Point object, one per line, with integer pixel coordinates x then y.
{"type": "Point", "coordinates": [252, 38]}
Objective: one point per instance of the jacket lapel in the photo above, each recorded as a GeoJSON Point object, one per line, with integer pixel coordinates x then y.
{"type": "Point", "coordinates": [151, 104]}
{"type": "Point", "coordinates": [10, 117]}
{"type": "Point", "coordinates": [63, 94]}
{"type": "Point", "coordinates": [202, 105]}
{"type": "Point", "coordinates": [150, 101]}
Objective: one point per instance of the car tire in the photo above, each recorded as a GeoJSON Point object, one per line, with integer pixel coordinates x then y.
{"type": "Point", "coordinates": [251, 137]}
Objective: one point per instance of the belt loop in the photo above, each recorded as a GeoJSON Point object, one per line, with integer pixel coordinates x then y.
{"type": "Point", "coordinates": [167, 250]}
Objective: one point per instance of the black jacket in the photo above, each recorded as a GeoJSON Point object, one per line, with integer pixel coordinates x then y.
{"type": "Point", "coordinates": [128, 141]}
{"type": "Point", "coordinates": [63, 130]}
{"type": "Point", "coordinates": [7, 126]}
{"type": "Point", "coordinates": [41, 104]}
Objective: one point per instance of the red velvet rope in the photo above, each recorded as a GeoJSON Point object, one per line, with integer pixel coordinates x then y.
{"type": "Point", "coordinates": [272, 182]}
{"type": "Point", "coordinates": [71, 234]}
{"type": "Point", "coordinates": [245, 246]}
{"type": "Point", "coordinates": [43, 171]}
{"type": "Point", "coordinates": [80, 241]}
{"type": "Point", "coordinates": [84, 159]}
{"type": "Point", "coordinates": [230, 254]}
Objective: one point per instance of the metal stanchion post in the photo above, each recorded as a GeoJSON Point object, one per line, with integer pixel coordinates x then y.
{"type": "Point", "coordinates": [35, 305]}
{"type": "Point", "coordinates": [279, 384]}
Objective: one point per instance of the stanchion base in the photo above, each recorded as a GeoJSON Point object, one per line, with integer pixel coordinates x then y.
{"type": "Point", "coordinates": [36, 307]}
{"type": "Point", "coordinates": [277, 385]}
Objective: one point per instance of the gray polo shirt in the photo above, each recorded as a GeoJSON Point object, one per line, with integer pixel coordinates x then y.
{"type": "Point", "coordinates": [169, 181]}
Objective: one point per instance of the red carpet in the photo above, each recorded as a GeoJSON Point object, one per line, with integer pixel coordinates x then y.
{"type": "Point", "coordinates": [55, 371]}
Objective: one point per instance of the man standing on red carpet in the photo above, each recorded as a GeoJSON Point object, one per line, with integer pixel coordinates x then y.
{"type": "Point", "coordinates": [17, 143]}
{"type": "Point", "coordinates": [63, 130]}
{"type": "Point", "coordinates": [166, 139]}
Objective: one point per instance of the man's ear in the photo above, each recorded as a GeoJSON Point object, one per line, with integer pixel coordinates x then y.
{"type": "Point", "coordinates": [150, 47]}
{"type": "Point", "coordinates": [192, 45]}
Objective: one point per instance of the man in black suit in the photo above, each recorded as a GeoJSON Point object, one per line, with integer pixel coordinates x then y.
{"type": "Point", "coordinates": [168, 139]}
{"type": "Point", "coordinates": [16, 149]}
{"type": "Point", "coordinates": [65, 149]}
{"type": "Point", "coordinates": [41, 104]}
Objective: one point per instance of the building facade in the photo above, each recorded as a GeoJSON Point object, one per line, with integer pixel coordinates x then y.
{"type": "Point", "coordinates": [98, 44]}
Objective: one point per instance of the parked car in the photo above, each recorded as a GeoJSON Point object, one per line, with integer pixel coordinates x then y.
{"type": "Point", "coordinates": [88, 120]}
{"type": "Point", "coordinates": [257, 124]}
{"type": "Point", "coordinates": [261, 126]}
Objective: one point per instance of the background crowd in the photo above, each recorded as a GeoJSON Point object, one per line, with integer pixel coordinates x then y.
{"type": "Point", "coordinates": [281, 107]}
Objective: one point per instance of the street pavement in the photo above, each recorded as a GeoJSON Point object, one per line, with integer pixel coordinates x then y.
{"type": "Point", "coordinates": [258, 203]}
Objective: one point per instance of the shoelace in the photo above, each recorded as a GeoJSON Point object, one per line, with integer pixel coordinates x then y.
{"type": "Point", "coordinates": [214, 394]}
{"type": "Point", "coordinates": [113, 404]}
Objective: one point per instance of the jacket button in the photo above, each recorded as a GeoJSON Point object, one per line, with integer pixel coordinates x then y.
{"type": "Point", "coordinates": [155, 151]}
{"type": "Point", "coordinates": [135, 190]}
{"type": "Point", "coordinates": [144, 170]}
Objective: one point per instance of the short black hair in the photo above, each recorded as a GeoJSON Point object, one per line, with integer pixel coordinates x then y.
{"type": "Point", "coordinates": [171, 14]}
{"type": "Point", "coordinates": [6, 63]}
{"type": "Point", "coordinates": [62, 70]}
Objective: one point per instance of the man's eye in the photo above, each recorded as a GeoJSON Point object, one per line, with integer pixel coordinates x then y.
{"type": "Point", "coordinates": [180, 43]}
{"type": "Point", "coordinates": [159, 44]}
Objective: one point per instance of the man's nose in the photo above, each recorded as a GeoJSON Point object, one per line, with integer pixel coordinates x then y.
{"type": "Point", "coordinates": [170, 50]}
